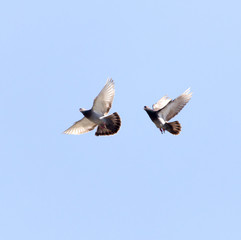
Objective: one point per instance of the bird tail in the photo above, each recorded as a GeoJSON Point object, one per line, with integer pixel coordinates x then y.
{"type": "Point", "coordinates": [113, 123]}
{"type": "Point", "coordinates": [173, 127]}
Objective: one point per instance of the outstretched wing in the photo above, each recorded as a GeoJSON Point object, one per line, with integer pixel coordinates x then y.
{"type": "Point", "coordinates": [82, 126]}
{"type": "Point", "coordinates": [175, 106]}
{"type": "Point", "coordinates": [103, 101]}
{"type": "Point", "coordinates": [161, 103]}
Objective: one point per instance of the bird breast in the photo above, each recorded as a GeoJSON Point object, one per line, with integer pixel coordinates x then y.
{"type": "Point", "coordinates": [96, 118]}
{"type": "Point", "coordinates": [159, 122]}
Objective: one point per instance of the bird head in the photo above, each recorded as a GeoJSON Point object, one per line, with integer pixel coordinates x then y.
{"type": "Point", "coordinates": [146, 108]}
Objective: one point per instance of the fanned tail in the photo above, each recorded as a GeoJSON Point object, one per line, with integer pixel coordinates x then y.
{"type": "Point", "coordinates": [173, 127]}
{"type": "Point", "coordinates": [112, 126]}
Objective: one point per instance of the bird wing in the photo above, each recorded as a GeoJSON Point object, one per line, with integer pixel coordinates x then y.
{"type": "Point", "coordinates": [103, 101]}
{"type": "Point", "coordinates": [161, 103]}
{"type": "Point", "coordinates": [82, 126]}
{"type": "Point", "coordinates": [175, 106]}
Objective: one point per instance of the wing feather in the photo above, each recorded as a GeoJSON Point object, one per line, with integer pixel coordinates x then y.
{"type": "Point", "coordinates": [175, 106]}
{"type": "Point", "coordinates": [161, 103]}
{"type": "Point", "coordinates": [103, 101]}
{"type": "Point", "coordinates": [82, 126]}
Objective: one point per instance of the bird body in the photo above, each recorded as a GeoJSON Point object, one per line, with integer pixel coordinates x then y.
{"type": "Point", "coordinates": [97, 115]}
{"type": "Point", "coordinates": [94, 116]}
{"type": "Point", "coordinates": [159, 121]}
{"type": "Point", "coordinates": [165, 109]}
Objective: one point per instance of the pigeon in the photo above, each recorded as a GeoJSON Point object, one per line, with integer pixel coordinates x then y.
{"type": "Point", "coordinates": [165, 109]}
{"type": "Point", "coordinates": [97, 115]}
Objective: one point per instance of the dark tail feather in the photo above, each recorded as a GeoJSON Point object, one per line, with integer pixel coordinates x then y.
{"type": "Point", "coordinates": [173, 127]}
{"type": "Point", "coordinates": [112, 126]}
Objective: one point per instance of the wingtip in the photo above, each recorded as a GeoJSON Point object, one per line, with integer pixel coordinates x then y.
{"type": "Point", "coordinates": [187, 92]}
{"type": "Point", "coordinates": [110, 80]}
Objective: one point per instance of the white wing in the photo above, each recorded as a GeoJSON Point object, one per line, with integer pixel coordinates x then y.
{"type": "Point", "coordinates": [175, 106]}
{"type": "Point", "coordinates": [161, 103]}
{"type": "Point", "coordinates": [103, 101]}
{"type": "Point", "coordinates": [82, 126]}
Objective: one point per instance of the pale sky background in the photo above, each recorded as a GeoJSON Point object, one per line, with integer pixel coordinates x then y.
{"type": "Point", "coordinates": [55, 57]}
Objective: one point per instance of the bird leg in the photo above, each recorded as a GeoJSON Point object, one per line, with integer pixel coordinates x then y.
{"type": "Point", "coordinates": [162, 130]}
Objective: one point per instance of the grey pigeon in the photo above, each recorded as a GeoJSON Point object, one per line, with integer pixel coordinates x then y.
{"type": "Point", "coordinates": [165, 109]}
{"type": "Point", "coordinates": [96, 116]}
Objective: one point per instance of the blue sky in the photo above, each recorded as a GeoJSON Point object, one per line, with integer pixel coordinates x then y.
{"type": "Point", "coordinates": [55, 57]}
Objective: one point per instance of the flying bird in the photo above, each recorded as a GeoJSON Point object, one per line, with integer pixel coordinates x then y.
{"type": "Point", "coordinates": [97, 115]}
{"type": "Point", "coordinates": [165, 109]}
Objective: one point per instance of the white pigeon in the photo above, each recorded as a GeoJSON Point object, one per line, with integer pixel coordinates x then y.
{"type": "Point", "coordinates": [96, 116]}
{"type": "Point", "coordinates": [165, 109]}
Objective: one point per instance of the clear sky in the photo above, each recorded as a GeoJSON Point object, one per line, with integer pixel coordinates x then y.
{"type": "Point", "coordinates": [55, 57]}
